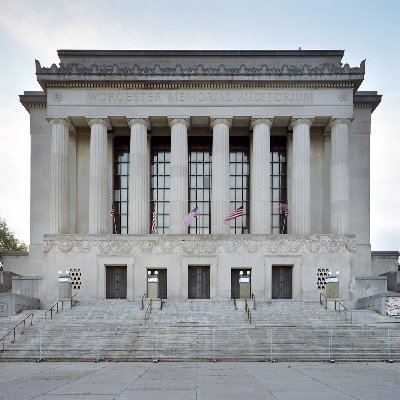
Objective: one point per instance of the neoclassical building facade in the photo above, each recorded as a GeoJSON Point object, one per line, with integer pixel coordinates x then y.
{"type": "Point", "coordinates": [151, 135]}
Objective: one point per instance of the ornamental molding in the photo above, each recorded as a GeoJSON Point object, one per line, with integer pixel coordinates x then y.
{"type": "Point", "coordinates": [198, 70]}
{"type": "Point", "coordinates": [201, 245]}
{"type": "Point", "coordinates": [199, 85]}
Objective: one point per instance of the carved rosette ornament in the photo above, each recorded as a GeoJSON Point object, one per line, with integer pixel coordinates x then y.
{"type": "Point", "coordinates": [208, 246]}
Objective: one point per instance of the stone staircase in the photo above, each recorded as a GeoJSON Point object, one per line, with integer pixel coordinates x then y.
{"type": "Point", "coordinates": [203, 330]}
{"type": "Point", "coordinates": [100, 330]}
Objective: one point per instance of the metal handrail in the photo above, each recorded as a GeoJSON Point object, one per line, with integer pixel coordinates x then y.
{"type": "Point", "coordinates": [161, 304]}
{"type": "Point", "coordinates": [15, 327]}
{"type": "Point", "coordinates": [234, 302]}
{"type": "Point", "coordinates": [346, 310]}
{"type": "Point", "coordinates": [55, 306]}
{"type": "Point", "coordinates": [321, 302]}
{"type": "Point", "coordinates": [148, 311]}
{"type": "Point", "coordinates": [143, 297]}
{"type": "Point", "coordinates": [52, 309]}
{"type": "Point", "coordinates": [247, 310]}
{"type": "Point", "coordinates": [72, 301]}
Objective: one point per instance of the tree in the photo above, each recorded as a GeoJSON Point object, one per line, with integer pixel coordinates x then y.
{"type": "Point", "coordinates": [8, 241]}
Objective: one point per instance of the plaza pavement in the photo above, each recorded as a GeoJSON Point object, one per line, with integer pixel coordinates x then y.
{"type": "Point", "coordinates": [200, 381]}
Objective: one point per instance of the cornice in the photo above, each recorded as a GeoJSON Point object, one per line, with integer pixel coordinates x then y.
{"type": "Point", "coordinates": [367, 99]}
{"type": "Point", "coordinates": [252, 72]}
{"type": "Point", "coordinates": [199, 85]}
{"type": "Point", "coordinates": [33, 99]}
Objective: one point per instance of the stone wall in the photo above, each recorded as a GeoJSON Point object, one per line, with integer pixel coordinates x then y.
{"type": "Point", "coordinates": [12, 303]}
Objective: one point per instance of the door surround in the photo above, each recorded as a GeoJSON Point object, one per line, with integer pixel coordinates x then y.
{"type": "Point", "coordinates": [293, 261]}
{"type": "Point", "coordinates": [206, 261]}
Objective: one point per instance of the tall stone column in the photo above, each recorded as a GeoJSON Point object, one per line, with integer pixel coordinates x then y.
{"type": "Point", "coordinates": [139, 179]}
{"type": "Point", "coordinates": [220, 175]}
{"type": "Point", "coordinates": [260, 181]}
{"type": "Point", "coordinates": [59, 212]}
{"type": "Point", "coordinates": [98, 201]}
{"type": "Point", "coordinates": [339, 176]}
{"type": "Point", "coordinates": [179, 174]}
{"type": "Point", "coordinates": [301, 193]}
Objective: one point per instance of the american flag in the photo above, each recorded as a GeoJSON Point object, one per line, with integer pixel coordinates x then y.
{"type": "Point", "coordinates": [235, 213]}
{"type": "Point", "coordinates": [186, 222]}
{"type": "Point", "coordinates": [112, 213]}
{"type": "Point", "coordinates": [154, 220]}
{"type": "Point", "coordinates": [284, 208]}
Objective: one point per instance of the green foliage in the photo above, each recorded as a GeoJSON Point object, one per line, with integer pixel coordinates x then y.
{"type": "Point", "coordinates": [8, 241]}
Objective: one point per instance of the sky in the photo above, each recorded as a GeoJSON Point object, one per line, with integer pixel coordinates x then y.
{"type": "Point", "coordinates": [365, 29]}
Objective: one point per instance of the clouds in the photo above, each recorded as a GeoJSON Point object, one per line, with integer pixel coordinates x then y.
{"type": "Point", "coordinates": [32, 29]}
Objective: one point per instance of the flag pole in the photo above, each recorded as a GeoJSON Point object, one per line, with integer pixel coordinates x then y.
{"type": "Point", "coordinates": [113, 215]}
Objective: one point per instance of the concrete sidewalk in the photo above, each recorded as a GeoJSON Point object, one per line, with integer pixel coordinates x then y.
{"type": "Point", "coordinates": [201, 381]}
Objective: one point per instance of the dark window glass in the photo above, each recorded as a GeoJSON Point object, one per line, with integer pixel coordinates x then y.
{"type": "Point", "coordinates": [120, 189]}
{"type": "Point", "coordinates": [278, 183]}
{"type": "Point", "coordinates": [239, 182]}
{"type": "Point", "coordinates": [160, 181]}
{"type": "Point", "coordinates": [200, 183]}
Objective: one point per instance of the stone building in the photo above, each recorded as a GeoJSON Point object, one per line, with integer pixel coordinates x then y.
{"type": "Point", "coordinates": [158, 133]}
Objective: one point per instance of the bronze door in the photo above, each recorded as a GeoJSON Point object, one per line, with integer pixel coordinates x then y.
{"type": "Point", "coordinates": [235, 286]}
{"type": "Point", "coordinates": [199, 282]}
{"type": "Point", "coordinates": [282, 282]}
{"type": "Point", "coordinates": [115, 282]}
{"type": "Point", "coordinates": [162, 283]}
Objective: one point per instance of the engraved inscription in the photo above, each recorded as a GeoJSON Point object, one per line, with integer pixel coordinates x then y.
{"type": "Point", "coordinates": [199, 97]}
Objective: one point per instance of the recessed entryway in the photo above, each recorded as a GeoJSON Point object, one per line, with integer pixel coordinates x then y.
{"type": "Point", "coordinates": [198, 282]}
{"type": "Point", "coordinates": [115, 282]}
{"type": "Point", "coordinates": [282, 281]}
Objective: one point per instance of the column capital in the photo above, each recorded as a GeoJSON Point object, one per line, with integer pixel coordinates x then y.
{"type": "Point", "coordinates": [256, 121]}
{"type": "Point", "coordinates": [63, 121]}
{"type": "Point", "coordinates": [142, 121]}
{"type": "Point", "coordinates": [184, 121]}
{"type": "Point", "coordinates": [336, 121]}
{"type": "Point", "coordinates": [225, 121]}
{"type": "Point", "coordinates": [298, 121]}
{"type": "Point", "coordinates": [103, 121]}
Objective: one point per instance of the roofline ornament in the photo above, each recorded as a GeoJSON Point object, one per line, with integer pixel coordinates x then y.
{"type": "Point", "coordinates": [136, 70]}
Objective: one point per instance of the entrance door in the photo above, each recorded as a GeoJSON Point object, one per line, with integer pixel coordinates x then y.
{"type": "Point", "coordinates": [199, 282]}
{"type": "Point", "coordinates": [282, 282]}
{"type": "Point", "coordinates": [162, 288]}
{"type": "Point", "coordinates": [235, 286]}
{"type": "Point", "coordinates": [116, 282]}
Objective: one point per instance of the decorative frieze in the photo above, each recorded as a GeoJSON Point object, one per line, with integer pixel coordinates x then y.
{"type": "Point", "coordinates": [200, 244]}
{"type": "Point", "coordinates": [200, 69]}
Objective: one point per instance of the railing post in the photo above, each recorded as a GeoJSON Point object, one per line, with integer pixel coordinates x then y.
{"type": "Point", "coordinates": [98, 346]}
{"type": "Point", "coordinates": [155, 360]}
{"type": "Point", "coordinates": [330, 346]}
{"type": "Point", "coordinates": [40, 345]}
{"type": "Point", "coordinates": [270, 345]}
{"type": "Point", "coordinates": [388, 346]}
{"type": "Point", "coordinates": [213, 346]}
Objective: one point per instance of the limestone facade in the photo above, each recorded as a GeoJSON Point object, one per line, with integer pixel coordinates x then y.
{"type": "Point", "coordinates": [308, 99]}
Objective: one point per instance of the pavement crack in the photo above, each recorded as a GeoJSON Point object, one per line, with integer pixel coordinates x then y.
{"type": "Point", "coordinates": [136, 379]}
{"type": "Point", "coordinates": [325, 384]}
